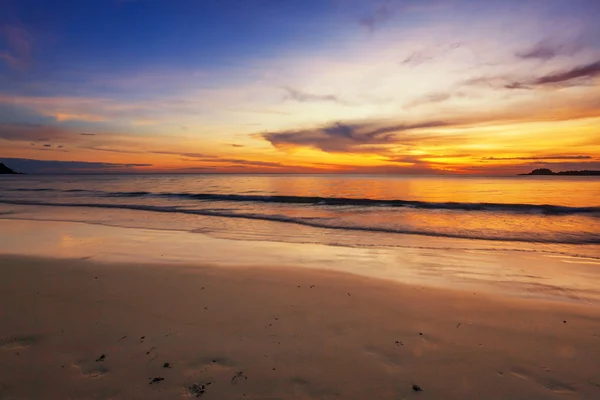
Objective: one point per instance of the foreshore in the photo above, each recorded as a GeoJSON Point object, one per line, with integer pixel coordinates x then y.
{"type": "Point", "coordinates": [79, 329]}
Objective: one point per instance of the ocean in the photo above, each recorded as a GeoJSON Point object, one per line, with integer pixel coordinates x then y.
{"type": "Point", "coordinates": [525, 213]}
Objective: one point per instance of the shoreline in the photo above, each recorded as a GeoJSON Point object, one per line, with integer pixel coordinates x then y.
{"type": "Point", "coordinates": [509, 273]}
{"type": "Point", "coordinates": [289, 333]}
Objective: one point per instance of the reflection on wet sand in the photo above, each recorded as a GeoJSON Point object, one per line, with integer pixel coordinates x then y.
{"type": "Point", "coordinates": [517, 273]}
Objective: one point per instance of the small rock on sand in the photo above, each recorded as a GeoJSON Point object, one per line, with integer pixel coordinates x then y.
{"type": "Point", "coordinates": [417, 388]}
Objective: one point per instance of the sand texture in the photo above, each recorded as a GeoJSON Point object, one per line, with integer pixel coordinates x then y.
{"type": "Point", "coordinates": [74, 329]}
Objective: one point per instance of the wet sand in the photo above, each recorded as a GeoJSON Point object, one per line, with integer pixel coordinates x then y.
{"type": "Point", "coordinates": [77, 329]}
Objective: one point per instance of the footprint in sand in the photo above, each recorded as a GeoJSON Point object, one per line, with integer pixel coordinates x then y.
{"type": "Point", "coordinates": [92, 369]}
{"type": "Point", "coordinates": [209, 367]}
{"type": "Point", "coordinates": [303, 388]}
{"type": "Point", "coordinates": [388, 358]}
{"type": "Point", "coordinates": [18, 342]}
{"type": "Point", "coordinates": [549, 383]}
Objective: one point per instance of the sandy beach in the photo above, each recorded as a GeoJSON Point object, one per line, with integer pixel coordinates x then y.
{"type": "Point", "coordinates": [78, 329]}
{"type": "Point", "coordinates": [300, 200]}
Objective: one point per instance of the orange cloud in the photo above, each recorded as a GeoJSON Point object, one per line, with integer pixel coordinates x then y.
{"type": "Point", "coordinates": [81, 117]}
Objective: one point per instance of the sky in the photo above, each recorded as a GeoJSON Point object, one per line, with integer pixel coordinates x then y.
{"type": "Point", "coordinates": [493, 87]}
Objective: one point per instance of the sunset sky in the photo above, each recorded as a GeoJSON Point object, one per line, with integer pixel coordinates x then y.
{"type": "Point", "coordinates": [327, 86]}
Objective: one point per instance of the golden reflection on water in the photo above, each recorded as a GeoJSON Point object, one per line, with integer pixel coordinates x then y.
{"type": "Point", "coordinates": [569, 191]}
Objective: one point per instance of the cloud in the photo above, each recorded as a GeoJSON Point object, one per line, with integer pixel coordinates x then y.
{"type": "Point", "coordinates": [585, 71]}
{"type": "Point", "coordinates": [102, 109]}
{"type": "Point", "coordinates": [32, 133]}
{"type": "Point", "coordinates": [540, 158]}
{"type": "Point", "coordinates": [546, 50]}
{"type": "Point", "coordinates": [113, 150]}
{"type": "Point", "coordinates": [423, 158]}
{"type": "Point", "coordinates": [576, 74]}
{"type": "Point", "coordinates": [19, 44]}
{"type": "Point", "coordinates": [195, 156]}
{"type": "Point", "coordinates": [304, 97]}
{"type": "Point", "coordinates": [77, 117]}
{"type": "Point", "coordinates": [178, 153]}
{"type": "Point", "coordinates": [380, 14]}
{"type": "Point", "coordinates": [87, 134]}
{"type": "Point", "coordinates": [499, 81]}
{"type": "Point", "coordinates": [248, 162]}
{"type": "Point", "coordinates": [385, 10]}
{"type": "Point", "coordinates": [428, 54]}
{"type": "Point", "coordinates": [199, 156]}
{"type": "Point", "coordinates": [433, 98]}
{"type": "Point", "coordinates": [541, 51]}
{"type": "Point", "coordinates": [344, 137]}
{"type": "Point", "coordinates": [517, 85]}
{"type": "Point", "coordinates": [53, 149]}
{"type": "Point", "coordinates": [236, 145]}
{"type": "Point", "coordinates": [220, 160]}
{"type": "Point", "coordinates": [51, 166]}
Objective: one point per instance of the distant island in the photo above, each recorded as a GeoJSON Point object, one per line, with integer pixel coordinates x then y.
{"type": "Point", "coordinates": [5, 170]}
{"type": "Point", "coordinates": [546, 171]}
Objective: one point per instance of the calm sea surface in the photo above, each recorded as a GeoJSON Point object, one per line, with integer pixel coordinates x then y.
{"type": "Point", "coordinates": [560, 214]}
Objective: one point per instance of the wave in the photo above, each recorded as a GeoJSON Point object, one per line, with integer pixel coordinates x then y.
{"type": "Point", "coordinates": [319, 223]}
{"type": "Point", "coordinates": [546, 209]}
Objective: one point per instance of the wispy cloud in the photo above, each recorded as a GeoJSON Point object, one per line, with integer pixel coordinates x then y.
{"type": "Point", "coordinates": [187, 156]}
{"type": "Point", "coordinates": [380, 14]}
{"type": "Point", "coordinates": [304, 97]}
{"type": "Point", "coordinates": [248, 162]}
{"type": "Point", "coordinates": [539, 158]}
{"type": "Point", "coordinates": [548, 49]}
{"type": "Point", "coordinates": [541, 51]}
{"type": "Point", "coordinates": [346, 137]}
{"type": "Point", "coordinates": [434, 98]}
{"type": "Point", "coordinates": [430, 53]}
{"type": "Point", "coordinates": [32, 132]}
{"type": "Point", "coordinates": [77, 117]}
{"type": "Point", "coordinates": [576, 76]}
{"type": "Point", "coordinates": [113, 150]}
{"type": "Point", "coordinates": [18, 44]}
{"type": "Point", "coordinates": [584, 71]}
{"type": "Point", "coordinates": [221, 160]}
{"type": "Point", "coordinates": [182, 154]}
{"type": "Point", "coordinates": [54, 166]}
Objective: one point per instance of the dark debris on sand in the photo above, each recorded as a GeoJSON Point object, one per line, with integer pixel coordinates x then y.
{"type": "Point", "coordinates": [417, 388]}
{"type": "Point", "coordinates": [101, 358]}
{"type": "Point", "coordinates": [198, 389]}
{"type": "Point", "coordinates": [167, 365]}
{"type": "Point", "coordinates": [156, 380]}
{"type": "Point", "coordinates": [237, 377]}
